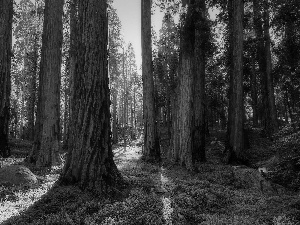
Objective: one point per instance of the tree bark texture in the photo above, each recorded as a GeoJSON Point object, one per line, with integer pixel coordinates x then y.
{"type": "Point", "coordinates": [89, 161]}
{"type": "Point", "coordinates": [6, 12]}
{"type": "Point", "coordinates": [189, 120]}
{"type": "Point", "coordinates": [151, 149]}
{"type": "Point", "coordinates": [46, 146]}
{"type": "Point", "coordinates": [235, 130]}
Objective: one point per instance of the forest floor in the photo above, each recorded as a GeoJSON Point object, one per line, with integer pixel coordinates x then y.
{"type": "Point", "coordinates": [159, 194]}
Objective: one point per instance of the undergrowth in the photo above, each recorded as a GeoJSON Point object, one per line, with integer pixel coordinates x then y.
{"type": "Point", "coordinates": [287, 170]}
{"type": "Point", "coordinates": [158, 194]}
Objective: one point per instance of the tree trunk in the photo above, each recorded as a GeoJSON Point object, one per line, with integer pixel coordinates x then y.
{"type": "Point", "coordinates": [174, 150]}
{"type": "Point", "coordinates": [66, 109]}
{"type": "Point", "coordinates": [124, 101]}
{"type": "Point", "coordinates": [185, 98]}
{"type": "Point", "coordinates": [189, 126]}
{"type": "Point", "coordinates": [46, 146]}
{"type": "Point", "coordinates": [90, 162]}
{"type": "Point", "coordinates": [253, 84]}
{"type": "Point", "coordinates": [235, 129]}
{"type": "Point", "coordinates": [201, 37]}
{"type": "Point", "coordinates": [31, 101]}
{"type": "Point", "coordinates": [151, 142]}
{"type": "Point", "coordinates": [264, 61]}
{"type": "Point", "coordinates": [6, 12]}
{"type": "Point", "coordinates": [272, 125]}
{"type": "Point", "coordinates": [114, 128]}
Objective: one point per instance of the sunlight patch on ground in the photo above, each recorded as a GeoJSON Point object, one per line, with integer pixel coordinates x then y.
{"type": "Point", "coordinates": [23, 199]}
{"type": "Point", "coordinates": [167, 203]}
{"type": "Point", "coordinates": [122, 155]}
{"type": "Point", "coordinates": [167, 210]}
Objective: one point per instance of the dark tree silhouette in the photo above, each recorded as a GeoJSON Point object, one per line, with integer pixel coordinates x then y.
{"type": "Point", "coordinates": [6, 12]}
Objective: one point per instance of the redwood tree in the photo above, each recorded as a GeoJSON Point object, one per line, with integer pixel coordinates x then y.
{"type": "Point", "coordinates": [89, 161]}
{"type": "Point", "coordinates": [6, 12]}
{"type": "Point", "coordinates": [151, 142]}
{"type": "Point", "coordinates": [45, 152]}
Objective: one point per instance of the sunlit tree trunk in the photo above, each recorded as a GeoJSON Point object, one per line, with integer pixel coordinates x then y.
{"type": "Point", "coordinates": [89, 161]}
{"type": "Point", "coordinates": [235, 131]}
{"type": "Point", "coordinates": [6, 12]}
{"type": "Point", "coordinates": [151, 142]}
{"type": "Point", "coordinates": [45, 152]}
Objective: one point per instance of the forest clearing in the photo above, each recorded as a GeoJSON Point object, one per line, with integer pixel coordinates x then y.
{"type": "Point", "coordinates": [150, 112]}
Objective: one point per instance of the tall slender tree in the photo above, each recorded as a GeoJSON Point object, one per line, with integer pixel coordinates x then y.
{"type": "Point", "coordinates": [151, 142]}
{"type": "Point", "coordinates": [6, 12]}
{"type": "Point", "coordinates": [89, 161]}
{"type": "Point", "coordinates": [271, 114]}
{"type": "Point", "coordinates": [235, 126]}
{"type": "Point", "coordinates": [45, 152]}
{"type": "Point", "coordinates": [261, 25]}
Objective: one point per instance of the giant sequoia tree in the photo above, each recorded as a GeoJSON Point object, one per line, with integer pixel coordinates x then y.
{"type": "Point", "coordinates": [6, 11]}
{"type": "Point", "coordinates": [151, 141]}
{"type": "Point", "coordinates": [89, 161]}
{"type": "Point", "coordinates": [45, 150]}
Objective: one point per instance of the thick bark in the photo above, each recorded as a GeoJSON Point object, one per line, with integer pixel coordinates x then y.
{"type": "Point", "coordinates": [235, 129]}
{"type": "Point", "coordinates": [6, 12]}
{"type": "Point", "coordinates": [185, 92]}
{"type": "Point", "coordinates": [189, 119]}
{"type": "Point", "coordinates": [45, 152]}
{"type": "Point", "coordinates": [90, 162]}
{"type": "Point", "coordinates": [151, 142]}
